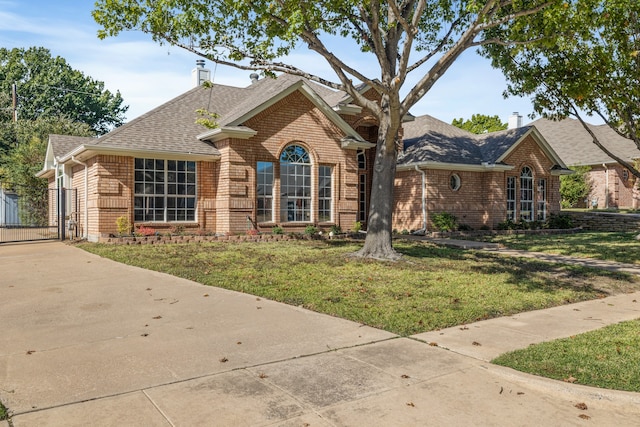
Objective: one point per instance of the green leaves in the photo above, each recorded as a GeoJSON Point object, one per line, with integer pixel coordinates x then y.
{"type": "Point", "coordinates": [587, 59]}
{"type": "Point", "coordinates": [480, 123]}
{"type": "Point", "coordinates": [48, 86]}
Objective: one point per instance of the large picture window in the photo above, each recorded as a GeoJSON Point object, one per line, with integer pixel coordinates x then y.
{"type": "Point", "coordinates": [295, 185]}
{"type": "Point", "coordinates": [264, 191]}
{"type": "Point", "coordinates": [164, 190]}
{"type": "Point", "coordinates": [526, 194]}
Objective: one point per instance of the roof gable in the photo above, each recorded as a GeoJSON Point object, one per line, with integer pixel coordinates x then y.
{"type": "Point", "coordinates": [430, 141]}
{"type": "Point", "coordinates": [574, 145]}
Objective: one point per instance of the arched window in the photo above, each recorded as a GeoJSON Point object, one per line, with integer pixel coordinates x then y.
{"type": "Point", "coordinates": [526, 194]}
{"type": "Point", "coordinates": [295, 185]}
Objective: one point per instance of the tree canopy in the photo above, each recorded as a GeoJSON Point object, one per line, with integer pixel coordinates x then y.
{"type": "Point", "coordinates": [593, 67]}
{"type": "Point", "coordinates": [480, 123]}
{"type": "Point", "coordinates": [418, 38]}
{"type": "Point", "coordinates": [49, 87]}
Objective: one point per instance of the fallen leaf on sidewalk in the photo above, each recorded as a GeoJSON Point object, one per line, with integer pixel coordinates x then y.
{"type": "Point", "coordinates": [433, 344]}
{"type": "Point", "coordinates": [224, 360]}
{"type": "Point", "coordinates": [571, 379]}
{"type": "Point", "coordinates": [520, 393]}
{"type": "Point", "coordinates": [464, 328]}
{"type": "Point", "coordinates": [30, 351]}
{"type": "Point", "coordinates": [144, 335]}
{"type": "Point", "coordinates": [405, 376]}
{"type": "Point", "coordinates": [411, 404]}
{"type": "Point", "coordinates": [263, 375]}
{"type": "Point", "coordinates": [157, 317]}
{"type": "Point", "coordinates": [584, 417]}
{"type": "Point", "coordinates": [581, 405]}
{"type": "Point", "coordinates": [476, 343]}
{"type": "Point", "coordinates": [205, 295]}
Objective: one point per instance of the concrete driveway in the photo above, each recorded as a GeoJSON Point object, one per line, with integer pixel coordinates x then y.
{"type": "Point", "coordinates": [88, 341]}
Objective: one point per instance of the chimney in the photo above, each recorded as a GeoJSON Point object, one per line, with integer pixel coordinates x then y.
{"type": "Point", "coordinates": [515, 121]}
{"type": "Point", "coordinates": [254, 78]}
{"type": "Point", "coordinates": [200, 74]}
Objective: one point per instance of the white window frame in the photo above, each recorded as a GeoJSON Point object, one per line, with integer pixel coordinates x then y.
{"type": "Point", "coordinates": [165, 185]}
{"type": "Point", "coordinates": [325, 193]}
{"type": "Point", "coordinates": [265, 174]}
{"type": "Point", "coordinates": [295, 185]}
{"type": "Point", "coordinates": [511, 198]}
{"type": "Point", "coordinates": [526, 194]}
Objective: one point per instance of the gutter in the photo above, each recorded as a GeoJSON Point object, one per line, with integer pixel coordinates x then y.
{"type": "Point", "coordinates": [424, 199]}
{"type": "Point", "coordinates": [86, 196]}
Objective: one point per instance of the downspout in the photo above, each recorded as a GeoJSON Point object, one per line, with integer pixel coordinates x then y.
{"type": "Point", "coordinates": [424, 199]}
{"type": "Point", "coordinates": [606, 186]}
{"type": "Point", "coordinates": [86, 196]}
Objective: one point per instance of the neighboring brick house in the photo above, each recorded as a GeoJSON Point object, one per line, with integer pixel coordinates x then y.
{"type": "Point", "coordinates": [612, 186]}
{"type": "Point", "coordinates": [287, 152]}
{"type": "Point", "coordinates": [481, 179]}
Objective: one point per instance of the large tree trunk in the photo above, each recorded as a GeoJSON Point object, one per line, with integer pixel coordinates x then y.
{"type": "Point", "coordinates": [378, 243]}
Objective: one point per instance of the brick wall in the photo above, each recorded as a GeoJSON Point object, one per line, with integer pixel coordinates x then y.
{"type": "Point", "coordinates": [604, 221]}
{"type": "Point", "coordinates": [293, 120]}
{"type": "Point", "coordinates": [481, 199]}
{"type": "Point", "coordinates": [610, 189]}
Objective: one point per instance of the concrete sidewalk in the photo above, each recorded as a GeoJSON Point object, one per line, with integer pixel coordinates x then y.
{"type": "Point", "coordinates": [87, 341]}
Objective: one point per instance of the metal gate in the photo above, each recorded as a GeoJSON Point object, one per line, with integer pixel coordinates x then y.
{"type": "Point", "coordinates": [28, 215]}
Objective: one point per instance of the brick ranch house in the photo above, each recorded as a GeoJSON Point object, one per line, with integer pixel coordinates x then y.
{"type": "Point", "coordinates": [291, 153]}
{"type": "Point", "coordinates": [612, 186]}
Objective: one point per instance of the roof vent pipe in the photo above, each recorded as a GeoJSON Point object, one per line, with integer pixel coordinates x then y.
{"type": "Point", "coordinates": [254, 78]}
{"type": "Point", "coordinates": [515, 121]}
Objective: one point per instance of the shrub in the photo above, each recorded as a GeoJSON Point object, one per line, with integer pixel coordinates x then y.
{"type": "Point", "coordinates": [357, 226]}
{"type": "Point", "coordinates": [177, 230]}
{"type": "Point", "coordinates": [445, 221]}
{"type": "Point", "coordinates": [335, 229]}
{"type": "Point", "coordinates": [123, 225]}
{"type": "Point", "coordinates": [145, 231]}
{"type": "Point", "coordinates": [310, 230]}
{"type": "Point", "coordinates": [574, 189]}
{"type": "Point", "coordinates": [276, 229]}
{"type": "Point", "coordinates": [465, 227]}
{"type": "Point", "coordinates": [559, 221]}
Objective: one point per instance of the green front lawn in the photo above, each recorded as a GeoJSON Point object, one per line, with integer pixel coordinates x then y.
{"type": "Point", "coordinates": [430, 288]}
{"type": "Point", "coordinates": [606, 358]}
{"type": "Point", "coordinates": [620, 247]}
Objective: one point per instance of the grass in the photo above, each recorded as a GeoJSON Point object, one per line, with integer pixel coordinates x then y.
{"type": "Point", "coordinates": [606, 358]}
{"type": "Point", "coordinates": [430, 288]}
{"type": "Point", "coordinates": [620, 247]}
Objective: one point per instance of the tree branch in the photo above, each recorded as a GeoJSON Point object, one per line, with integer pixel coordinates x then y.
{"type": "Point", "coordinates": [597, 142]}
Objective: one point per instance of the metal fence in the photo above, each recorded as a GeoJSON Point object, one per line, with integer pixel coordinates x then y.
{"type": "Point", "coordinates": [29, 214]}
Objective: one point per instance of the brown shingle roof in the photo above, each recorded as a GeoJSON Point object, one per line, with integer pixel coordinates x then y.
{"type": "Point", "coordinates": [427, 139]}
{"type": "Point", "coordinates": [573, 143]}
{"type": "Point", "coordinates": [171, 127]}
{"type": "Point", "coordinates": [63, 144]}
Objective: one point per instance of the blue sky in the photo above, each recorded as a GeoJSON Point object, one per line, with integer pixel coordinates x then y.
{"type": "Point", "coordinates": [147, 74]}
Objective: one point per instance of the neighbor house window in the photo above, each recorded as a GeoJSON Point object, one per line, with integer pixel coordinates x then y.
{"type": "Point", "coordinates": [511, 198]}
{"type": "Point", "coordinates": [324, 193]}
{"type": "Point", "coordinates": [164, 190]}
{"type": "Point", "coordinates": [526, 194]}
{"type": "Point", "coordinates": [295, 185]}
{"type": "Point", "coordinates": [542, 200]}
{"type": "Point", "coordinates": [264, 191]}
